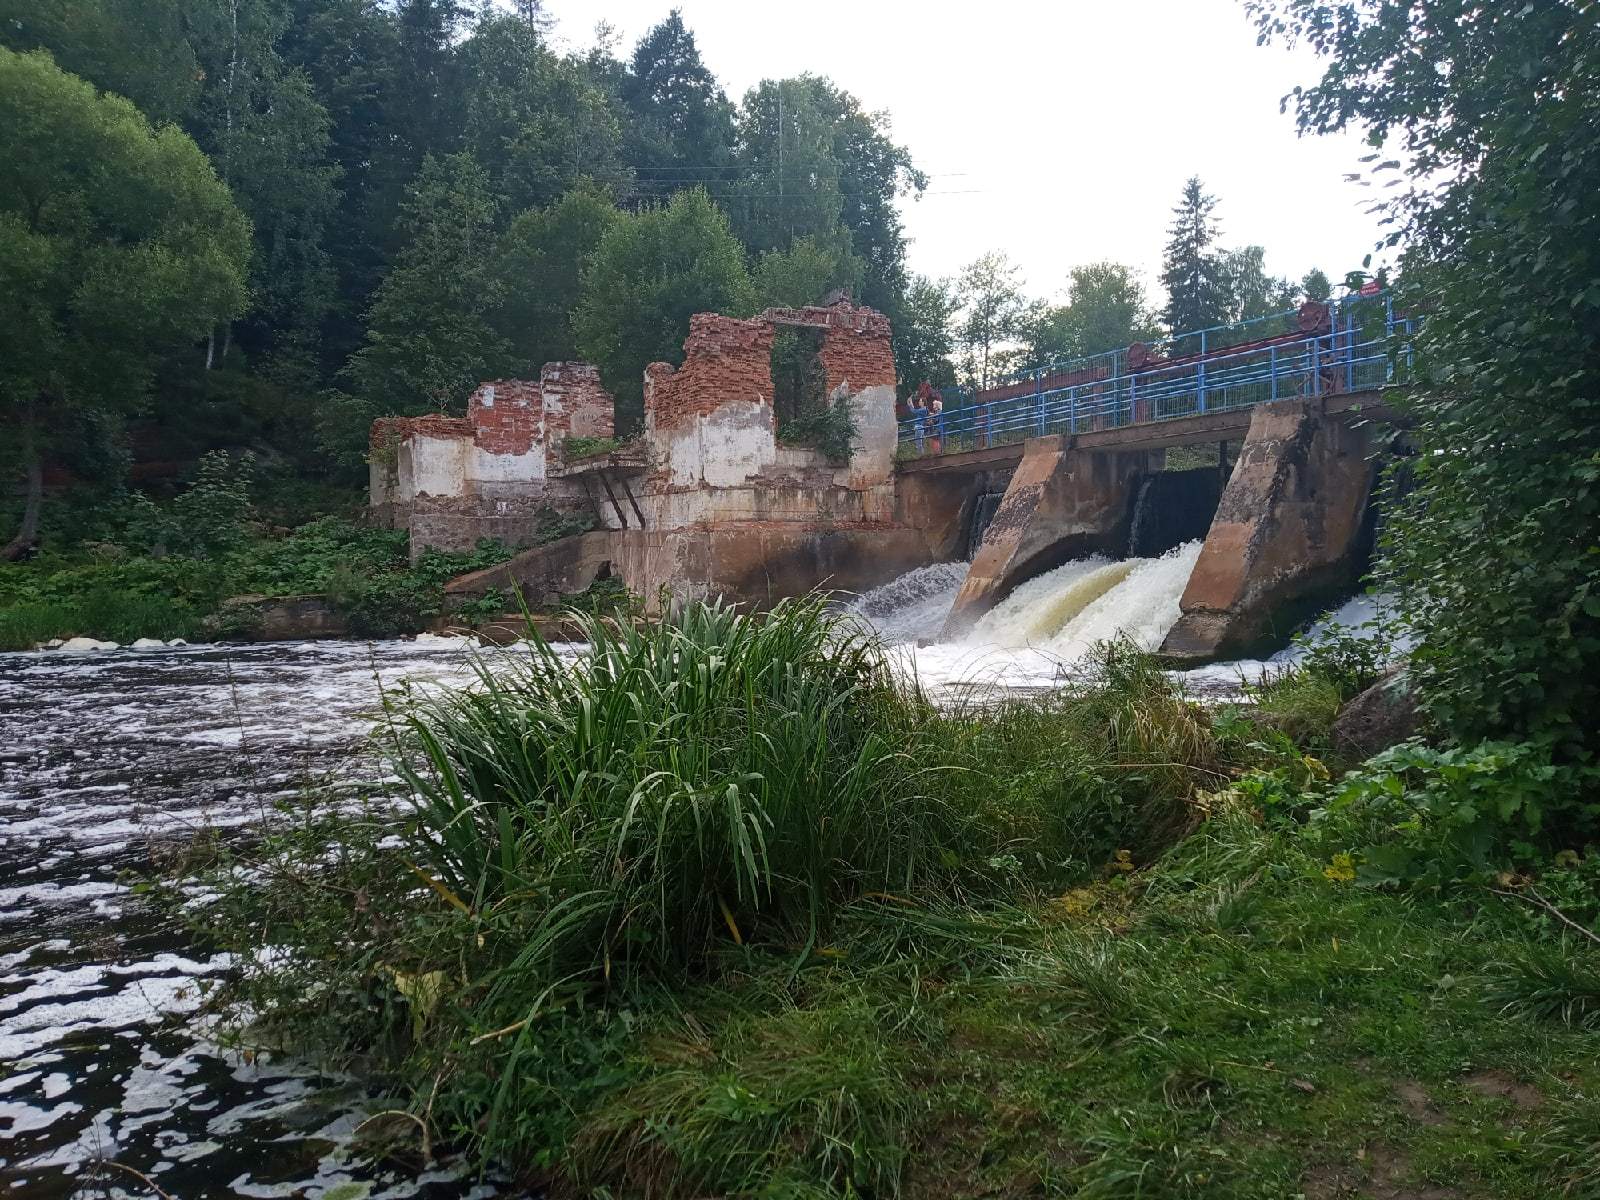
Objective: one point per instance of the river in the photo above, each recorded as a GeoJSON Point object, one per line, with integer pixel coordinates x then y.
{"type": "Point", "coordinates": [108, 761]}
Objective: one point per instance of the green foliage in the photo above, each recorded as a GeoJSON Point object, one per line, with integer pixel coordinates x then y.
{"type": "Point", "coordinates": [214, 553]}
{"type": "Point", "coordinates": [830, 168]}
{"type": "Point", "coordinates": [807, 271]}
{"type": "Point", "coordinates": [651, 272]}
{"type": "Point", "coordinates": [208, 519]}
{"type": "Point", "coordinates": [992, 313]}
{"type": "Point", "coordinates": [534, 121]}
{"type": "Point", "coordinates": [1493, 551]}
{"type": "Point", "coordinates": [830, 428]}
{"type": "Point", "coordinates": [924, 337]}
{"type": "Point", "coordinates": [574, 448]}
{"type": "Point", "coordinates": [1424, 815]}
{"type": "Point", "coordinates": [429, 338]}
{"type": "Point", "coordinates": [102, 270]}
{"type": "Point", "coordinates": [1549, 983]}
{"type": "Point", "coordinates": [680, 125]}
{"type": "Point", "coordinates": [1105, 310]}
{"type": "Point", "coordinates": [1192, 271]}
{"type": "Point", "coordinates": [542, 259]}
{"type": "Point", "coordinates": [975, 1030]}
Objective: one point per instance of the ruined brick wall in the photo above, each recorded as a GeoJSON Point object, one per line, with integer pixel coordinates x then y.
{"type": "Point", "coordinates": [856, 343]}
{"type": "Point", "coordinates": [575, 402]}
{"type": "Point", "coordinates": [507, 416]}
{"type": "Point", "coordinates": [724, 359]}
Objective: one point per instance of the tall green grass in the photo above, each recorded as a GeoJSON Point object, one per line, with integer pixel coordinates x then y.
{"type": "Point", "coordinates": [695, 824]}
{"type": "Point", "coordinates": [111, 616]}
{"type": "Point", "coordinates": [717, 777]}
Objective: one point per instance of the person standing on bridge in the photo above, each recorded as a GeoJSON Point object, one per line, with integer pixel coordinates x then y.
{"type": "Point", "coordinates": [919, 412]}
{"type": "Point", "coordinates": [935, 424]}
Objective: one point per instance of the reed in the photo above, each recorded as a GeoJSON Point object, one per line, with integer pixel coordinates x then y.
{"type": "Point", "coordinates": [713, 778]}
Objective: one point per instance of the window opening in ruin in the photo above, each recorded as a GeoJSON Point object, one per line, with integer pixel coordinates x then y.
{"type": "Point", "coordinates": [800, 396]}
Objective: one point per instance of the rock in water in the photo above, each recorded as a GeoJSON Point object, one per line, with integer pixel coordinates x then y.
{"type": "Point", "coordinates": [148, 644]}
{"type": "Point", "coordinates": [86, 643]}
{"type": "Point", "coordinates": [1379, 717]}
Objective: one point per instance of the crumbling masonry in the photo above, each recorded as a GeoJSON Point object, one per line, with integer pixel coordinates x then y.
{"type": "Point", "coordinates": [706, 500]}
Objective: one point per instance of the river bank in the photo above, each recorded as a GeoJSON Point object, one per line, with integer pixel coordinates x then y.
{"type": "Point", "coordinates": [1131, 946]}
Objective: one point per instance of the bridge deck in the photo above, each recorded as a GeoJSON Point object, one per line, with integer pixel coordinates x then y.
{"type": "Point", "coordinates": [1193, 388]}
{"type": "Point", "coordinates": [1197, 428]}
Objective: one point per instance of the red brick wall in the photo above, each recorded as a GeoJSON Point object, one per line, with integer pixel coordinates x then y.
{"type": "Point", "coordinates": [724, 359]}
{"type": "Point", "coordinates": [389, 432]}
{"type": "Point", "coordinates": [856, 347]}
{"type": "Point", "coordinates": [507, 415]}
{"type": "Point", "coordinates": [576, 402]}
{"type": "Point", "coordinates": [857, 350]}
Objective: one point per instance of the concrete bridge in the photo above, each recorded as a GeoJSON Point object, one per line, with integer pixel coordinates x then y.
{"type": "Point", "coordinates": [1290, 405]}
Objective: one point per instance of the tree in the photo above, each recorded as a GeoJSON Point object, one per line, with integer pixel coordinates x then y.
{"type": "Point", "coordinates": [652, 271]}
{"type": "Point", "coordinates": [924, 337]}
{"type": "Point", "coordinates": [430, 338]}
{"type": "Point", "coordinates": [534, 121]}
{"type": "Point", "coordinates": [807, 271]}
{"type": "Point", "coordinates": [1106, 309]}
{"type": "Point", "coordinates": [989, 293]}
{"type": "Point", "coordinates": [1492, 109]}
{"type": "Point", "coordinates": [540, 266]}
{"type": "Point", "coordinates": [214, 68]}
{"type": "Point", "coordinates": [1191, 270]}
{"type": "Point", "coordinates": [1315, 286]}
{"type": "Point", "coordinates": [145, 56]}
{"type": "Point", "coordinates": [1249, 292]}
{"type": "Point", "coordinates": [827, 164]}
{"type": "Point", "coordinates": [118, 243]}
{"type": "Point", "coordinates": [680, 123]}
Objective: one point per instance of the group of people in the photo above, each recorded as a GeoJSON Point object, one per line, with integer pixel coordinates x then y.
{"type": "Point", "coordinates": [925, 413]}
{"type": "Point", "coordinates": [927, 417]}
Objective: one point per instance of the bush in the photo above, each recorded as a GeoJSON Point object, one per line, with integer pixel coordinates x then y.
{"type": "Point", "coordinates": [692, 801]}
{"type": "Point", "coordinates": [1414, 814]}
{"type": "Point", "coordinates": [829, 428]}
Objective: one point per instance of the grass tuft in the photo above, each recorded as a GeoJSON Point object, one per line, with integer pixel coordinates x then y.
{"type": "Point", "coordinates": [1549, 983]}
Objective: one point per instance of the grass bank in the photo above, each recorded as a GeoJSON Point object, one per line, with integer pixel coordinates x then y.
{"type": "Point", "coordinates": [724, 911]}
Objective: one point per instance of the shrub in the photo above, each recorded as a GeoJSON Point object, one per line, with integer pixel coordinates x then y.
{"type": "Point", "coordinates": [711, 777]}
{"type": "Point", "coordinates": [1415, 814]}
{"type": "Point", "coordinates": [829, 428]}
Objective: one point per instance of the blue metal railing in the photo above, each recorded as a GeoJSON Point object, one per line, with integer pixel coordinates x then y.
{"type": "Point", "coordinates": [1363, 346]}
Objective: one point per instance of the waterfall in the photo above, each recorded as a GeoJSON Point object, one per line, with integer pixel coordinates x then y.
{"type": "Point", "coordinates": [1066, 611]}
{"type": "Point", "coordinates": [912, 606]}
{"type": "Point", "coordinates": [983, 510]}
{"type": "Point", "coordinates": [1141, 517]}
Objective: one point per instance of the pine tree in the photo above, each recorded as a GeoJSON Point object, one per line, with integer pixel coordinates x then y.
{"type": "Point", "coordinates": [681, 123]}
{"type": "Point", "coordinates": [1191, 270]}
{"type": "Point", "coordinates": [429, 334]}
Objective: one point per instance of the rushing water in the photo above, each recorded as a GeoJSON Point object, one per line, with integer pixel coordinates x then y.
{"type": "Point", "coordinates": [106, 760]}
{"type": "Point", "coordinates": [110, 759]}
{"type": "Point", "coordinates": [1034, 638]}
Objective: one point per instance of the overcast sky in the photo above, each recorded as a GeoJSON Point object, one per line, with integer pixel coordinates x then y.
{"type": "Point", "coordinates": [1060, 132]}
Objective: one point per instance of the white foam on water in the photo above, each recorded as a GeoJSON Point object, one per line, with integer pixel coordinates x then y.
{"type": "Point", "coordinates": [1040, 608]}
{"type": "Point", "coordinates": [1141, 607]}
{"type": "Point", "coordinates": [1366, 616]}
{"type": "Point", "coordinates": [912, 606]}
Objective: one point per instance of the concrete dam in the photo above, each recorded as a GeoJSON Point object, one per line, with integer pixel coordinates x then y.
{"type": "Point", "coordinates": [1057, 479]}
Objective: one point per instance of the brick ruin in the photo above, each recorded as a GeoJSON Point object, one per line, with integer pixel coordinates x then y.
{"type": "Point", "coordinates": [452, 480]}
{"type": "Point", "coordinates": [705, 499]}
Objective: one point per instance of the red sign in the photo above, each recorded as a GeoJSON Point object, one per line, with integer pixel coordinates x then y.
{"type": "Point", "coordinates": [1370, 289]}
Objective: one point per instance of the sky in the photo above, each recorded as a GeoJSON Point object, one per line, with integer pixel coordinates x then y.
{"type": "Point", "coordinates": [1060, 133]}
